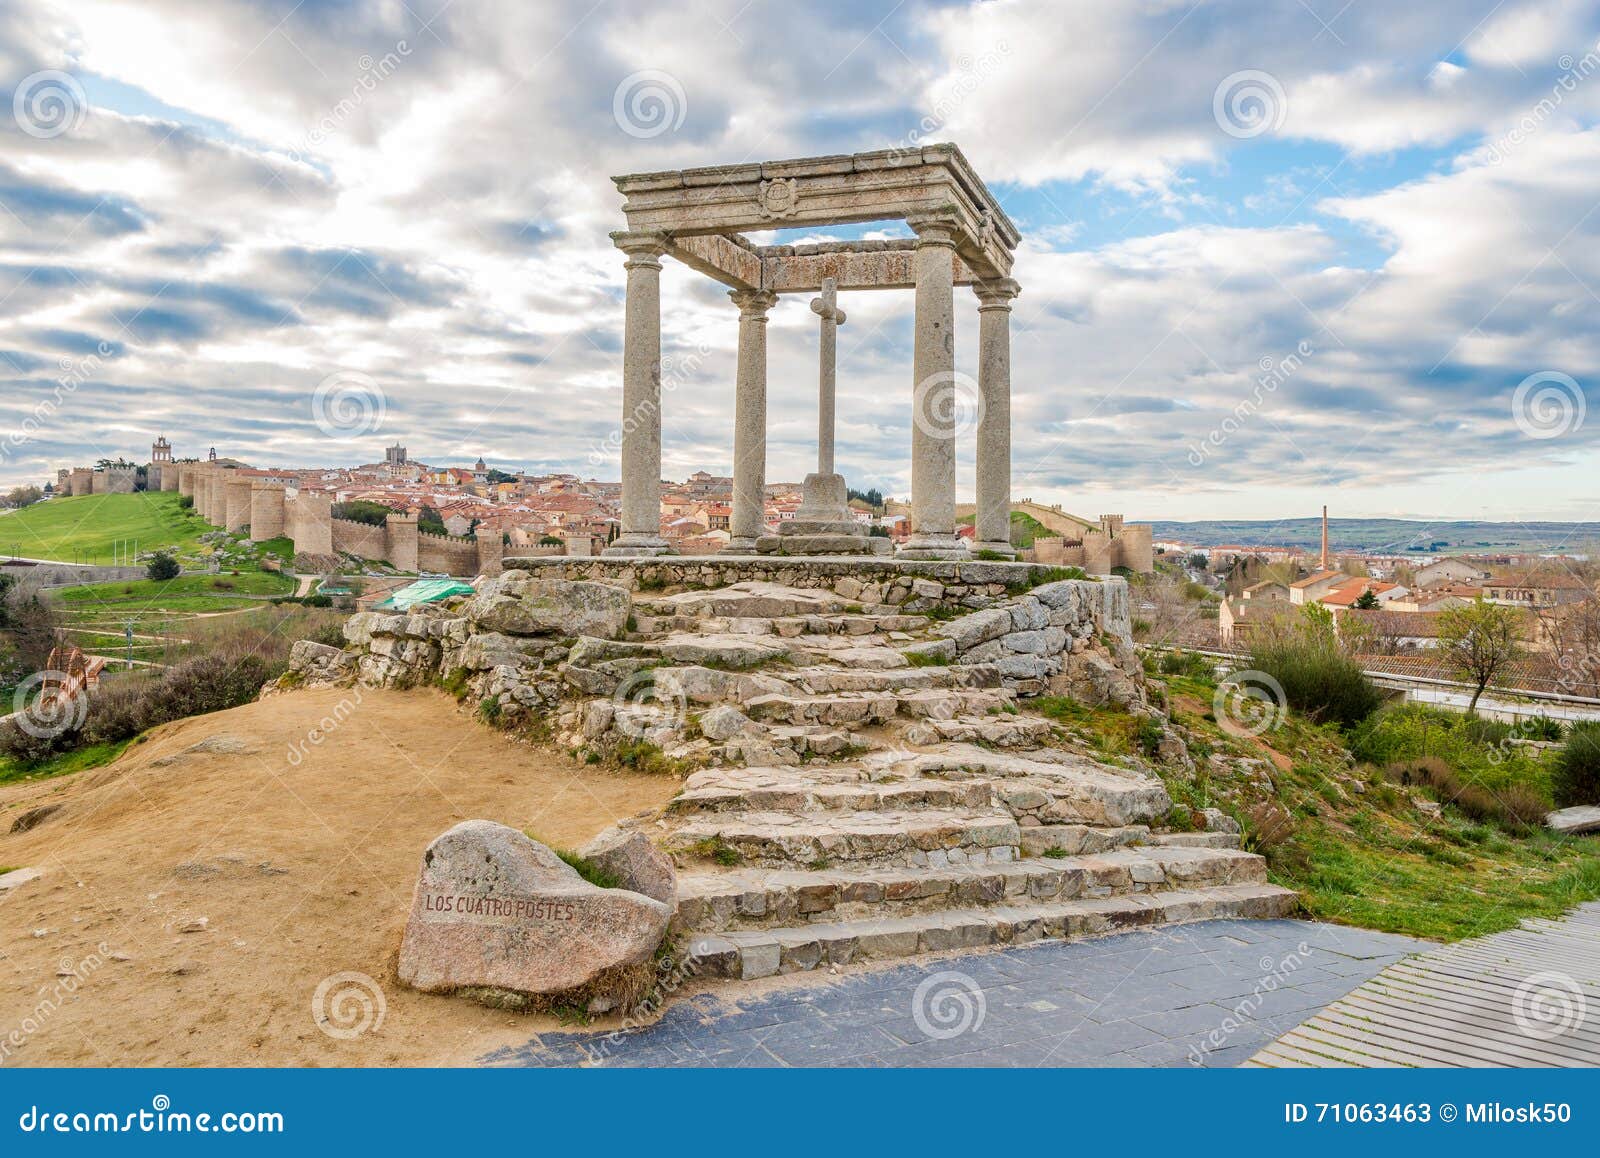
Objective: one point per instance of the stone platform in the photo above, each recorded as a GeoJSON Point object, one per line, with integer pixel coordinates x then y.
{"type": "Point", "coordinates": [802, 571]}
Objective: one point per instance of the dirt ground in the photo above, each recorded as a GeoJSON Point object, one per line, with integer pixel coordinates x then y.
{"type": "Point", "coordinates": [289, 862]}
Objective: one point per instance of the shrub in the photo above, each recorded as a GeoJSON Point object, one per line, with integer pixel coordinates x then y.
{"type": "Point", "coordinates": [1187, 663]}
{"type": "Point", "coordinates": [207, 683]}
{"type": "Point", "coordinates": [1515, 807]}
{"type": "Point", "coordinates": [162, 566]}
{"type": "Point", "coordinates": [1319, 679]}
{"type": "Point", "coordinates": [1268, 826]}
{"type": "Point", "coordinates": [185, 502]}
{"type": "Point", "coordinates": [1575, 778]}
{"type": "Point", "coordinates": [25, 749]}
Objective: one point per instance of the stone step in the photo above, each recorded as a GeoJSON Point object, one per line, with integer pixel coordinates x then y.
{"type": "Point", "coordinates": [732, 790]}
{"type": "Point", "coordinates": [1003, 731]}
{"type": "Point", "coordinates": [1198, 839]}
{"type": "Point", "coordinates": [872, 707]}
{"type": "Point", "coordinates": [918, 837]}
{"type": "Point", "coordinates": [846, 651]}
{"type": "Point", "coordinates": [1059, 796]}
{"type": "Point", "coordinates": [824, 678]}
{"type": "Point", "coordinates": [1050, 785]}
{"type": "Point", "coordinates": [742, 900]}
{"type": "Point", "coordinates": [1077, 839]}
{"type": "Point", "coordinates": [869, 621]}
{"type": "Point", "coordinates": [763, 953]}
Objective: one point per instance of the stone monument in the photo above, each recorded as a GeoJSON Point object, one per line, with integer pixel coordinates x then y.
{"type": "Point", "coordinates": [823, 525]}
{"type": "Point", "coordinates": [962, 237]}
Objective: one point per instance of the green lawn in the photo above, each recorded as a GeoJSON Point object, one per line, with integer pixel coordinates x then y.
{"type": "Point", "coordinates": [84, 529]}
{"type": "Point", "coordinates": [170, 592]}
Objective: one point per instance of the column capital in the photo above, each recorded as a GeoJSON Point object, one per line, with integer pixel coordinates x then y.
{"type": "Point", "coordinates": [641, 247]}
{"type": "Point", "coordinates": [996, 294]}
{"type": "Point", "coordinates": [753, 304]}
{"type": "Point", "coordinates": [935, 228]}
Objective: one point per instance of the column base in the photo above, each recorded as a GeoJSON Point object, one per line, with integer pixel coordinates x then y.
{"type": "Point", "coordinates": [741, 546]}
{"type": "Point", "coordinates": [1005, 549]}
{"type": "Point", "coordinates": [630, 546]}
{"type": "Point", "coordinates": [935, 545]}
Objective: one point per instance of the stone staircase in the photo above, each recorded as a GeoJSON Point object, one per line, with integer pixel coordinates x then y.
{"type": "Point", "coordinates": [872, 799]}
{"type": "Point", "coordinates": [867, 780]}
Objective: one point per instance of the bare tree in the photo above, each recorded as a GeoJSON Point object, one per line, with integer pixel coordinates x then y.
{"type": "Point", "coordinates": [1481, 642]}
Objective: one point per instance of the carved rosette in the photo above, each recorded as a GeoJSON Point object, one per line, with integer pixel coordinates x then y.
{"type": "Point", "coordinates": [779, 197]}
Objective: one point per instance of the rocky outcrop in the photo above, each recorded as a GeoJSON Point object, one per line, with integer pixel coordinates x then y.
{"type": "Point", "coordinates": [516, 603]}
{"type": "Point", "coordinates": [500, 918]}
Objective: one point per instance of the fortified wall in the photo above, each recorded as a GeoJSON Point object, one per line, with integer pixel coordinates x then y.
{"type": "Point", "coordinates": [1097, 548]}
{"type": "Point", "coordinates": [241, 501]}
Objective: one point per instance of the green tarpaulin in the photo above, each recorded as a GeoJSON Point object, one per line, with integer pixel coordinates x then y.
{"type": "Point", "coordinates": [423, 591]}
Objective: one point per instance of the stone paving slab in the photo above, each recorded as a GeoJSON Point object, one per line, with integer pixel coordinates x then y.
{"type": "Point", "coordinates": [1207, 994]}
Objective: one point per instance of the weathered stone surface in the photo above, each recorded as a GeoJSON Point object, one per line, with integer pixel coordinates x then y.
{"type": "Point", "coordinates": [16, 878]}
{"type": "Point", "coordinates": [724, 722]}
{"type": "Point", "coordinates": [491, 649]}
{"type": "Point", "coordinates": [516, 604]}
{"type": "Point", "coordinates": [638, 865]}
{"type": "Point", "coordinates": [502, 917]}
{"type": "Point", "coordinates": [730, 650]}
{"type": "Point", "coordinates": [704, 685]}
{"type": "Point", "coordinates": [979, 627]}
{"type": "Point", "coordinates": [1582, 818]}
{"type": "Point", "coordinates": [933, 648]}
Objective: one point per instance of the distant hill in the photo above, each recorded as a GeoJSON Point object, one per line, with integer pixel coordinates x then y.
{"type": "Point", "coordinates": [1390, 536]}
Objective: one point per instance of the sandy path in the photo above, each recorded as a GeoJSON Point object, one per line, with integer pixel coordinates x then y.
{"type": "Point", "coordinates": [300, 856]}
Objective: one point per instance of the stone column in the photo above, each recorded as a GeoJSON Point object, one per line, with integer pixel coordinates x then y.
{"type": "Point", "coordinates": [993, 524]}
{"type": "Point", "coordinates": [641, 398]}
{"type": "Point", "coordinates": [750, 423]}
{"type": "Point", "coordinates": [933, 434]}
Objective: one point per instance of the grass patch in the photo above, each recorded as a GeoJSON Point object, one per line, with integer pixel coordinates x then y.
{"type": "Point", "coordinates": [585, 867]}
{"type": "Point", "coordinates": [1332, 813]}
{"type": "Point", "coordinates": [643, 756]}
{"type": "Point", "coordinates": [78, 760]}
{"type": "Point", "coordinates": [1110, 731]}
{"type": "Point", "coordinates": [172, 594]}
{"type": "Point", "coordinates": [88, 528]}
{"type": "Point", "coordinates": [926, 658]}
{"type": "Point", "coordinates": [714, 848]}
{"type": "Point", "coordinates": [454, 682]}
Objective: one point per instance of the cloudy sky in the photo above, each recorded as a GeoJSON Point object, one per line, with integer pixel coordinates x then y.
{"type": "Point", "coordinates": [1275, 254]}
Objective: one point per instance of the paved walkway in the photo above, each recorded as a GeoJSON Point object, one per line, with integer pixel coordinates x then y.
{"type": "Point", "coordinates": [1527, 997]}
{"type": "Point", "coordinates": [1208, 994]}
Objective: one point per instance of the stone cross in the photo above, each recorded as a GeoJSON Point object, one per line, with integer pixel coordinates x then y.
{"type": "Point", "coordinates": [826, 307]}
